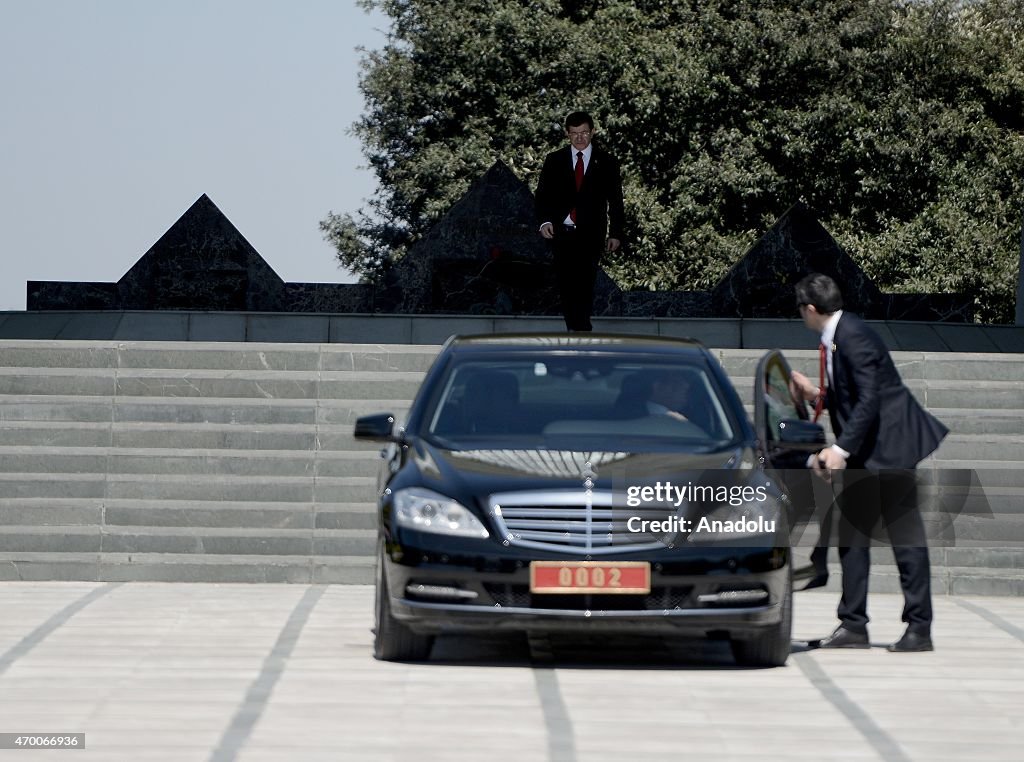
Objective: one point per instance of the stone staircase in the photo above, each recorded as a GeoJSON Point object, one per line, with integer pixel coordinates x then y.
{"type": "Point", "coordinates": [235, 462]}
{"type": "Point", "coordinates": [219, 462]}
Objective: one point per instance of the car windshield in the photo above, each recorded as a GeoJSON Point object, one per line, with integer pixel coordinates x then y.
{"type": "Point", "coordinates": [579, 402]}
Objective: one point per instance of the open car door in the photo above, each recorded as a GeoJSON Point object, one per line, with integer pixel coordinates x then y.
{"type": "Point", "coordinates": [788, 437]}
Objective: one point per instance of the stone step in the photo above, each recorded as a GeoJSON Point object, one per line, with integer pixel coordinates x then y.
{"type": "Point", "coordinates": [181, 540]}
{"type": "Point", "coordinates": [188, 463]}
{"type": "Point", "coordinates": [985, 395]}
{"type": "Point", "coordinates": [912, 366]}
{"type": "Point", "coordinates": [42, 511]}
{"type": "Point", "coordinates": [946, 580]}
{"type": "Point", "coordinates": [978, 421]}
{"type": "Point", "coordinates": [1004, 397]}
{"type": "Point", "coordinates": [121, 464]}
{"type": "Point", "coordinates": [78, 382]}
{"type": "Point", "coordinates": [269, 385]}
{"type": "Point", "coordinates": [999, 529]}
{"type": "Point", "coordinates": [939, 489]}
{"type": "Point", "coordinates": [168, 567]}
{"type": "Point", "coordinates": [403, 357]}
{"type": "Point", "coordinates": [214, 513]}
{"type": "Point", "coordinates": [981, 435]}
{"type": "Point", "coordinates": [953, 580]}
{"type": "Point", "coordinates": [31, 434]}
{"type": "Point", "coordinates": [45, 486]}
{"type": "Point", "coordinates": [242, 412]}
{"type": "Point", "coordinates": [228, 384]}
{"type": "Point", "coordinates": [988, 473]}
{"type": "Point", "coordinates": [322, 438]}
{"type": "Point", "coordinates": [107, 357]}
{"type": "Point", "coordinates": [257, 489]}
{"type": "Point", "coordinates": [36, 437]}
{"type": "Point", "coordinates": [988, 447]}
{"type": "Point", "coordinates": [987, 556]}
{"type": "Point", "coordinates": [57, 409]}
{"type": "Point", "coordinates": [217, 356]}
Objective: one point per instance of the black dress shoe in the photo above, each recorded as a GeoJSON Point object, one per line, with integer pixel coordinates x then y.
{"type": "Point", "coordinates": [844, 638]}
{"type": "Point", "coordinates": [819, 561]}
{"type": "Point", "coordinates": [818, 580]}
{"type": "Point", "coordinates": [910, 643]}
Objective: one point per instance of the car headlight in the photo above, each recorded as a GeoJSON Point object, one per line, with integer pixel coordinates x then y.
{"type": "Point", "coordinates": [748, 520]}
{"type": "Point", "coordinates": [426, 511]}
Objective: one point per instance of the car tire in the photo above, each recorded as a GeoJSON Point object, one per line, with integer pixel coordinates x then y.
{"type": "Point", "coordinates": [771, 648]}
{"type": "Point", "coordinates": [392, 640]}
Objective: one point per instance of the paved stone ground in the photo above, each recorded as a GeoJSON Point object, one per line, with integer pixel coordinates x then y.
{"type": "Point", "coordinates": [284, 672]}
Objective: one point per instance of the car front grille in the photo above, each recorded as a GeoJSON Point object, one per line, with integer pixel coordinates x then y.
{"type": "Point", "coordinates": [659, 599]}
{"type": "Point", "coordinates": [584, 523]}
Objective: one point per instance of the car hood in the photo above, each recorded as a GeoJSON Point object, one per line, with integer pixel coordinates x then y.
{"type": "Point", "coordinates": [486, 471]}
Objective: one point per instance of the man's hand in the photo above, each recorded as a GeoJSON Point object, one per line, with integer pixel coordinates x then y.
{"type": "Point", "coordinates": [801, 387]}
{"type": "Point", "coordinates": [613, 244]}
{"type": "Point", "coordinates": [827, 461]}
{"type": "Point", "coordinates": [547, 230]}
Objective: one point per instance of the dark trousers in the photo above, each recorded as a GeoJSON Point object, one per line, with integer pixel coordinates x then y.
{"type": "Point", "coordinates": [576, 263]}
{"type": "Point", "coordinates": [867, 500]}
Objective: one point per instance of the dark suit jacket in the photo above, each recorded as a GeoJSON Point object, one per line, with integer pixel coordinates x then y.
{"type": "Point", "coordinates": [875, 417]}
{"type": "Point", "coordinates": [599, 206]}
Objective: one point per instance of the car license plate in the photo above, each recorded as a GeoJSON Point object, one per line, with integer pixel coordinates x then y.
{"type": "Point", "coordinates": [590, 577]}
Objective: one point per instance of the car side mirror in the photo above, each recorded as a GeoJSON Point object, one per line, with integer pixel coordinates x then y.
{"type": "Point", "coordinates": [377, 428]}
{"type": "Point", "coordinates": [803, 435]}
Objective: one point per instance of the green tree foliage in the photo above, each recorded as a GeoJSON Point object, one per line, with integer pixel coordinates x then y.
{"type": "Point", "coordinates": [900, 122]}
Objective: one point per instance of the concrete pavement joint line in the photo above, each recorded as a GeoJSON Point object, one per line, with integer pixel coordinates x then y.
{"type": "Point", "coordinates": [557, 722]}
{"type": "Point", "coordinates": [995, 619]}
{"type": "Point", "coordinates": [40, 633]}
{"type": "Point", "coordinates": [258, 696]}
{"type": "Point", "coordinates": [886, 746]}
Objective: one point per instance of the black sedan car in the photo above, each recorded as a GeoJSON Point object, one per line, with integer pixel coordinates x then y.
{"type": "Point", "coordinates": [591, 483]}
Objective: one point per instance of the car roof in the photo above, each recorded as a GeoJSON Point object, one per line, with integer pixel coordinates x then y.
{"type": "Point", "coordinates": [585, 341]}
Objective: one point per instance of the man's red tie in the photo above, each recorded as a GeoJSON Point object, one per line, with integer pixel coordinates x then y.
{"type": "Point", "coordinates": [579, 181]}
{"type": "Point", "coordinates": [820, 404]}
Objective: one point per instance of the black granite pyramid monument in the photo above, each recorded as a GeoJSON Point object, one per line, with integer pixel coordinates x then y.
{"type": "Point", "coordinates": [202, 262]}
{"type": "Point", "coordinates": [761, 284]}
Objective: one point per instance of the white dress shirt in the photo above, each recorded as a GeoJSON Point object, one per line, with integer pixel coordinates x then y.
{"type": "Point", "coordinates": [828, 336]}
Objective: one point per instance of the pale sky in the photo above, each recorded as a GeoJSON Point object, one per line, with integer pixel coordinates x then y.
{"type": "Point", "coordinates": [118, 114]}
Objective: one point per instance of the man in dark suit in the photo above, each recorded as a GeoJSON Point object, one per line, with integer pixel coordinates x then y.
{"type": "Point", "coordinates": [881, 435]}
{"type": "Point", "coordinates": [580, 211]}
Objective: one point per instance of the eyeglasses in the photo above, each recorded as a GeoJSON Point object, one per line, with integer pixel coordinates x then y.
{"type": "Point", "coordinates": [579, 134]}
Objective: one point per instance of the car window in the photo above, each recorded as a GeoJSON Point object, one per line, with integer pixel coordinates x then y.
{"type": "Point", "coordinates": [579, 402]}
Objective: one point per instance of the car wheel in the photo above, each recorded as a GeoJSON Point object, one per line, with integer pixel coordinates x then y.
{"type": "Point", "coordinates": [771, 648]}
{"type": "Point", "coordinates": [393, 641]}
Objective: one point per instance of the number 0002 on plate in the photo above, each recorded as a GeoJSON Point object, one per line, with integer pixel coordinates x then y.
{"type": "Point", "coordinates": [590, 577]}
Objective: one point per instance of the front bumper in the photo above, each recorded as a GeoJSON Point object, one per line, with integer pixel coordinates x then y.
{"type": "Point", "coordinates": [691, 593]}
